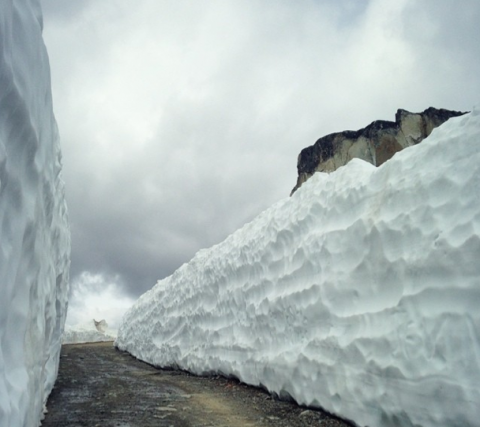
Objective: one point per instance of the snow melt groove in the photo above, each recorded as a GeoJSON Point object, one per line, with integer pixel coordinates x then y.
{"type": "Point", "coordinates": [359, 294]}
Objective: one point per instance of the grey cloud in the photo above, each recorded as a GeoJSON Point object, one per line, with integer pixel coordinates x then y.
{"type": "Point", "coordinates": [445, 37]}
{"type": "Point", "coordinates": [64, 9]}
{"type": "Point", "coordinates": [180, 121]}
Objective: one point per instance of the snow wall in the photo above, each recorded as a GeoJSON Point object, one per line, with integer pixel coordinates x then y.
{"type": "Point", "coordinates": [34, 234]}
{"type": "Point", "coordinates": [360, 294]}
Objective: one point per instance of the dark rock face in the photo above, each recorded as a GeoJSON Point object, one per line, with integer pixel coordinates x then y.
{"type": "Point", "coordinates": [376, 143]}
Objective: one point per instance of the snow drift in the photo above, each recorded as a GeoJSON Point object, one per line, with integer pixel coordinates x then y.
{"type": "Point", "coordinates": [35, 240]}
{"type": "Point", "coordinates": [359, 294]}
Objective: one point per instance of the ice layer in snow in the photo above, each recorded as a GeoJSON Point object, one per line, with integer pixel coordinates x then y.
{"type": "Point", "coordinates": [34, 235]}
{"type": "Point", "coordinates": [359, 294]}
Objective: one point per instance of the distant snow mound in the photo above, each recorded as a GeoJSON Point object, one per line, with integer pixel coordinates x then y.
{"type": "Point", "coordinates": [360, 293]}
{"type": "Point", "coordinates": [34, 232]}
{"type": "Point", "coordinates": [91, 331]}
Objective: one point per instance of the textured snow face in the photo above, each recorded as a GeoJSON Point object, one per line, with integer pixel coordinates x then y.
{"type": "Point", "coordinates": [359, 294]}
{"type": "Point", "coordinates": [34, 235]}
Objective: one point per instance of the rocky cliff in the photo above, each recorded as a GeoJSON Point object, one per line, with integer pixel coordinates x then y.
{"type": "Point", "coordinates": [375, 144]}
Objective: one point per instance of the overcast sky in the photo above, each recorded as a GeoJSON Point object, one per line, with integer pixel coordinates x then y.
{"type": "Point", "coordinates": [182, 120]}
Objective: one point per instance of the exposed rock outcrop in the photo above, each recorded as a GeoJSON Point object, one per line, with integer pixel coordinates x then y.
{"type": "Point", "coordinates": [375, 144]}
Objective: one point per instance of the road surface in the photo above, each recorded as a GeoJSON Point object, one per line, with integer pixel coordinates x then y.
{"type": "Point", "coordinates": [99, 386]}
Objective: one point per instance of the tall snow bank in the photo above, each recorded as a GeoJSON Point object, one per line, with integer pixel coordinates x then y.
{"type": "Point", "coordinates": [34, 235]}
{"type": "Point", "coordinates": [360, 294]}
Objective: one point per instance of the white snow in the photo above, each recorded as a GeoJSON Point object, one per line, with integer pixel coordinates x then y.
{"type": "Point", "coordinates": [88, 332]}
{"type": "Point", "coordinates": [359, 294]}
{"type": "Point", "coordinates": [34, 234]}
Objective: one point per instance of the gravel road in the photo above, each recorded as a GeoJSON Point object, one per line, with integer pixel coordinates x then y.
{"type": "Point", "coordinates": [99, 386]}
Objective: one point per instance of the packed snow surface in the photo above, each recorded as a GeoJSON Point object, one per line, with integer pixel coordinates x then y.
{"type": "Point", "coordinates": [34, 235]}
{"type": "Point", "coordinates": [359, 294]}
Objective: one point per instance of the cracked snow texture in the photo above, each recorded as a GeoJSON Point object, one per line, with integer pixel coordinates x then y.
{"type": "Point", "coordinates": [35, 239]}
{"type": "Point", "coordinates": [359, 294]}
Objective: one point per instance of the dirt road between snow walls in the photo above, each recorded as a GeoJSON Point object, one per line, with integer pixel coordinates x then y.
{"type": "Point", "coordinates": [98, 386]}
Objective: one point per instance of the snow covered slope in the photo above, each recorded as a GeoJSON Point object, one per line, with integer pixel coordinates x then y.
{"type": "Point", "coordinates": [360, 294]}
{"type": "Point", "coordinates": [34, 235]}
